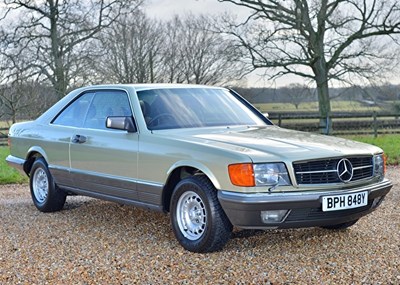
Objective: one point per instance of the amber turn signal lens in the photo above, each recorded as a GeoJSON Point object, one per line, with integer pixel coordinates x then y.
{"type": "Point", "coordinates": [241, 174]}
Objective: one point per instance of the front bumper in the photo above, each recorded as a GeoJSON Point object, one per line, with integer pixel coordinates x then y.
{"type": "Point", "coordinates": [305, 208]}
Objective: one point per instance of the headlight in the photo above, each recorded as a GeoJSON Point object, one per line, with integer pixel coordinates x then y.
{"type": "Point", "coordinates": [380, 165]}
{"type": "Point", "coordinates": [271, 174]}
{"type": "Point", "coordinates": [266, 174]}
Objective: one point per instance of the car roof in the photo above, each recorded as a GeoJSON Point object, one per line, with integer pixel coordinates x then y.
{"type": "Point", "coordinates": [149, 86]}
{"type": "Point", "coordinates": [49, 114]}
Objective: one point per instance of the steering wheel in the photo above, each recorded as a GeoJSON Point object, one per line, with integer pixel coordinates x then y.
{"type": "Point", "coordinates": [158, 119]}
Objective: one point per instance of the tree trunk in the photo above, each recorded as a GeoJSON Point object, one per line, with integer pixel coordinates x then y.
{"type": "Point", "coordinates": [60, 85]}
{"type": "Point", "coordinates": [59, 82]}
{"type": "Point", "coordinates": [324, 103]}
{"type": "Point", "coordinates": [13, 113]}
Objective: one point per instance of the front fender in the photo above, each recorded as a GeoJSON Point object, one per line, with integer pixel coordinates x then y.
{"type": "Point", "coordinates": [197, 165]}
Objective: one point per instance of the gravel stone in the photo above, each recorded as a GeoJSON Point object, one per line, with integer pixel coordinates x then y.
{"type": "Point", "coordinates": [96, 242]}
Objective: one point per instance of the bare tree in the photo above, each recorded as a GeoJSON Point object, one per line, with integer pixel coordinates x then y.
{"type": "Point", "coordinates": [380, 94]}
{"type": "Point", "coordinates": [55, 36]}
{"type": "Point", "coordinates": [21, 97]}
{"type": "Point", "coordinates": [207, 57]}
{"type": "Point", "coordinates": [137, 49]}
{"type": "Point", "coordinates": [131, 50]}
{"type": "Point", "coordinates": [24, 100]}
{"type": "Point", "coordinates": [10, 101]}
{"type": "Point", "coordinates": [318, 40]}
{"type": "Point", "coordinates": [171, 64]}
{"type": "Point", "coordinates": [297, 93]}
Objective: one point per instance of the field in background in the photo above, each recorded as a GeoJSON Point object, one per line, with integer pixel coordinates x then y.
{"type": "Point", "coordinates": [5, 124]}
{"type": "Point", "coordinates": [348, 117]}
{"type": "Point", "coordinates": [342, 106]}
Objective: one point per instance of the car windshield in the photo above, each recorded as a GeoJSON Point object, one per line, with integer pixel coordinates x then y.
{"type": "Point", "coordinates": [193, 108]}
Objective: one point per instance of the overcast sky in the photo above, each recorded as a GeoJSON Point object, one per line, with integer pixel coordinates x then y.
{"type": "Point", "coordinates": [167, 8]}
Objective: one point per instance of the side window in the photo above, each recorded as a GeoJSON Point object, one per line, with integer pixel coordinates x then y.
{"type": "Point", "coordinates": [74, 115]}
{"type": "Point", "coordinates": [105, 104]}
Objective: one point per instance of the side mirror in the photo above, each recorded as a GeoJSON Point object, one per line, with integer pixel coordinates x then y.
{"type": "Point", "coordinates": [266, 115]}
{"type": "Point", "coordinates": [121, 123]}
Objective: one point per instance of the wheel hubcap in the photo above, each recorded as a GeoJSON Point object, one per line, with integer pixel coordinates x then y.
{"type": "Point", "coordinates": [40, 185]}
{"type": "Point", "coordinates": [191, 215]}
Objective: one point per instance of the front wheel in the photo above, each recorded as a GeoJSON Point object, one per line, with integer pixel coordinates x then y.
{"type": "Point", "coordinates": [46, 196]}
{"type": "Point", "coordinates": [198, 220]}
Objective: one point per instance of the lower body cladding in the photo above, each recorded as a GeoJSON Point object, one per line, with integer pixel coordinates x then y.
{"type": "Point", "coordinates": [301, 209]}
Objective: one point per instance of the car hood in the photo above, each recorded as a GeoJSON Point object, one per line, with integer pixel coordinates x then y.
{"type": "Point", "coordinates": [275, 143]}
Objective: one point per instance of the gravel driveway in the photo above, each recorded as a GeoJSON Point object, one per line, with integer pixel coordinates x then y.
{"type": "Point", "coordinates": [97, 242]}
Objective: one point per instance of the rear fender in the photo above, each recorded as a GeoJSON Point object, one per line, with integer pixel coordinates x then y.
{"type": "Point", "coordinates": [33, 152]}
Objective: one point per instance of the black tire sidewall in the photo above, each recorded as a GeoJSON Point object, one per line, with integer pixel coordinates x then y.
{"type": "Point", "coordinates": [55, 197]}
{"type": "Point", "coordinates": [39, 164]}
{"type": "Point", "coordinates": [191, 184]}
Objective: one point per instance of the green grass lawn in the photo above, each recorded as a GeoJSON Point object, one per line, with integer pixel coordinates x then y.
{"type": "Point", "coordinates": [8, 174]}
{"type": "Point", "coordinates": [389, 143]}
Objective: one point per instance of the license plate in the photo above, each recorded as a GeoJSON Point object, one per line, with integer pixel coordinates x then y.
{"type": "Point", "coordinates": [345, 201]}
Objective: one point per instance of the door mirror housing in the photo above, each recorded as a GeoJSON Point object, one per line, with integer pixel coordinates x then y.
{"type": "Point", "coordinates": [121, 123]}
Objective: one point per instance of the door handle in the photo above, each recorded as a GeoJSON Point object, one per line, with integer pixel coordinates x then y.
{"type": "Point", "coordinates": [78, 139]}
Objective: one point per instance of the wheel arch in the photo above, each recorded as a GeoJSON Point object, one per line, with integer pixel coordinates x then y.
{"type": "Point", "coordinates": [180, 171]}
{"type": "Point", "coordinates": [33, 153]}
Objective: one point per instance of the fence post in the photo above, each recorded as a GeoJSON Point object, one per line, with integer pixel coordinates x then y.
{"type": "Point", "coordinates": [3, 136]}
{"type": "Point", "coordinates": [328, 125]}
{"type": "Point", "coordinates": [279, 120]}
{"type": "Point", "coordinates": [375, 125]}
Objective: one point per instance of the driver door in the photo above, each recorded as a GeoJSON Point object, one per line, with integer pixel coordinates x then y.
{"type": "Point", "coordinates": [104, 161]}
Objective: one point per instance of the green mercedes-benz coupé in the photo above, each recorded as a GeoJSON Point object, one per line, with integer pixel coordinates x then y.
{"type": "Point", "coordinates": [203, 154]}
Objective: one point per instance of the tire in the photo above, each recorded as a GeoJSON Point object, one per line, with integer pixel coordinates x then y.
{"type": "Point", "coordinates": [340, 226]}
{"type": "Point", "coordinates": [198, 220]}
{"type": "Point", "coordinates": [46, 196]}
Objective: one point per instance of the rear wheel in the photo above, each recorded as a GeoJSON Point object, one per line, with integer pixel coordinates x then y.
{"type": "Point", "coordinates": [341, 226]}
{"type": "Point", "coordinates": [46, 196]}
{"type": "Point", "coordinates": [198, 220]}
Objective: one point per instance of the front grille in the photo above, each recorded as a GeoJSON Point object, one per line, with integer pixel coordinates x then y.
{"type": "Point", "coordinates": [325, 171]}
